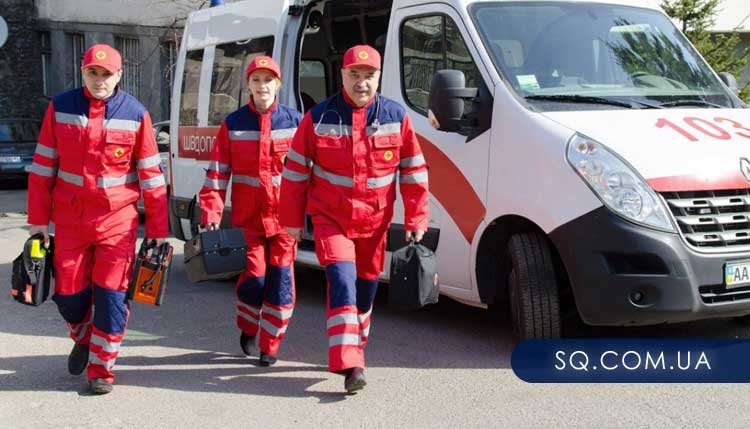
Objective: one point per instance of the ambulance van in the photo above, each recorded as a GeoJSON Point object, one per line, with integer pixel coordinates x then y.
{"type": "Point", "coordinates": [583, 157]}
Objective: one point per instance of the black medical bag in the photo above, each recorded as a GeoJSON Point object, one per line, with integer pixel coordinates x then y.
{"type": "Point", "coordinates": [215, 255]}
{"type": "Point", "coordinates": [414, 278]}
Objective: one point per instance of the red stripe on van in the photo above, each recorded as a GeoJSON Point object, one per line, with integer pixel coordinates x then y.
{"type": "Point", "coordinates": [196, 142]}
{"type": "Point", "coordinates": [728, 180]}
{"type": "Point", "coordinates": [451, 188]}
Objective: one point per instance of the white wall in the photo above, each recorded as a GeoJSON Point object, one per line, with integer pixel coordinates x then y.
{"type": "Point", "coordinates": [162, 13]}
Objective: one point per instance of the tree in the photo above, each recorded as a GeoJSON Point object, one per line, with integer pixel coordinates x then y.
{"type": "Point", "coordinates": [721, 51]}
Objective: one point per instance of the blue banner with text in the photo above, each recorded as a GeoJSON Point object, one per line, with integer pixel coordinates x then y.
{"type": "Point", "coordinates": [633, 361]}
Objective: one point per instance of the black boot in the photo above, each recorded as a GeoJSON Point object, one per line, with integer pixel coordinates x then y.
{"type": "Point", "coordinates": [247, 342]}
{"type": "Point", "coordinates": [267, 360]}
{"type": "Point", "coordinates": [355, 380]}
{"type": "Point", "coordinates": [78, 359]}
{"type": "Point", "coordinates": [99, 386]}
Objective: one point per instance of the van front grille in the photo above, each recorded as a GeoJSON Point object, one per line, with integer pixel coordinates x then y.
{"type": "Point", "coordinates": [718, 220]}
{"type": "Point", "coordinates": [716, 294]}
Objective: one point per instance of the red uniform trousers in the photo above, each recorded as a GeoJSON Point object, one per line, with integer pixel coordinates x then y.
{"type": "Point", "coordinates": [353, 266]}
{"type": "Point", "coordinates": [265, 291]}
{"type": "Point", "coordinates": [93, 260]}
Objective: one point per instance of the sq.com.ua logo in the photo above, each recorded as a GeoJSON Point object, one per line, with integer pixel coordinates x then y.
{"type": "Point", "coordinates": [632, 361]}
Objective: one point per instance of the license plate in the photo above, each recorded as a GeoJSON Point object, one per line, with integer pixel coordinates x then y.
{"type": "Point", "coordinates": [27, 168]}
{"type": "Point", "coordinates": [10, 159]}
{"type": "Point", "coordinates": [736, 274]}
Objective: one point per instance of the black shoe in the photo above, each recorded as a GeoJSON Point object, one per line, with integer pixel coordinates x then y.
{"type": "Point", "coordinates": [247, 342]}
{"type": "Point", "coordinates": [99, 386]}
{"type": "Point", "coordinates": [355, 380]}
{"type": "Point", "coordinates": [267, 360]}
{"type": "Point", "coordinates": [78, 359]}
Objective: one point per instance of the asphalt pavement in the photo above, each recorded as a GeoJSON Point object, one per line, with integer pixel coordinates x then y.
{"type": "Point", "coordinates": [445, 366]}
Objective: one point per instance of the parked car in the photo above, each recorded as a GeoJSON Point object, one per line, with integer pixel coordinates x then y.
{"type": "Point", "coordinates": [161, 132]}
{"type": "Point", "coordinates": [17, 142]}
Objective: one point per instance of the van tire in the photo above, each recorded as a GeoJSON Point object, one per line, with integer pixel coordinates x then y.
{"type": "Point", "coordinates": [532, 287]}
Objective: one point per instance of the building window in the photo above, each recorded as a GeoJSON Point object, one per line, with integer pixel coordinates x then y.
{"type": "Point", "coordinates": [131, 76]}
{"type": "Point", "coordinates": [167, 68]}
{"type": "Point", "coordinates": [46, 50]}
{"type": "Point", "coordinates": [77, 49]}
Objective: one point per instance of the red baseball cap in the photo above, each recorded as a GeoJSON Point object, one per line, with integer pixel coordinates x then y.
{"type": "Point", "coordinates": [361, 55]}
{"type": "Point", "coordinates": [103, 56]}
{"type": "Point", "coordinates": [263, 62]}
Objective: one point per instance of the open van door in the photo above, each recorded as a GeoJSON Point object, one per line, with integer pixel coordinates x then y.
{"type": "Point", "coordinates": [209, 83]}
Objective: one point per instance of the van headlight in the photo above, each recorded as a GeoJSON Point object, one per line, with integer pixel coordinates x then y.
{"type": "Point", "coordinates": [619, 187]}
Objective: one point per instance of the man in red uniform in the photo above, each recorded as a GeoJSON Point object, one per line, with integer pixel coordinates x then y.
{"type": "Point", "coordinates": [96, 154]}
{"type": "Point", "coordinates": [342, 169]}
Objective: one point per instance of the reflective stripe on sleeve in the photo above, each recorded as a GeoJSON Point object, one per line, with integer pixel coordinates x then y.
{"type": "Point", "coordinates": [219, 167]}
{"type": "Point", "coordinates": [153, 182]}
{"type": "Point", "coordinates": [215, 184]}
{"type": "Point", "coordinates": [45, 171]}
{"type": "Point", "coordinates": [419, 177]}
{"type": "Point", "coordinates": [246, 180]}
{"type": "Point", "coordinates": [412, 161]}
{"type": "Point", "coordinates": [46, 151]}
{"type": "Point", "coordinates": [73, 179]}
{"type": "Point", "coordinates": [149, 161]}
{"type": "Point", "coordinates": [294, 176]}
{"type": "Point", "coordinates": [297, 157]}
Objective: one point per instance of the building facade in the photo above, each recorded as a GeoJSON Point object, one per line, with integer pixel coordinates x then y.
{"type": "Point", "coordinates": [47, 38]}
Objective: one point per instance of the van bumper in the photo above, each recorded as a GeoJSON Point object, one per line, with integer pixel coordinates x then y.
{"type": "Point", "coordinates": [626, 274]}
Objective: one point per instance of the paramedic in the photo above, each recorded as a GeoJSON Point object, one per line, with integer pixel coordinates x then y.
{"type": "Point", "coordinates": [96, 154]}
{"type": "Point", "coordinates": [341, 170]}
{"type": "Point", "coordinates": [251, 147]}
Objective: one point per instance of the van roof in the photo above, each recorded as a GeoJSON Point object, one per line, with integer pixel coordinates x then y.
{"type": "Point", "coordinates": [650, 4]}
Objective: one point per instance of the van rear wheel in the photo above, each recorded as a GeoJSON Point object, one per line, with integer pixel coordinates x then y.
{"type": "Point", "coordinates": [532, 287]}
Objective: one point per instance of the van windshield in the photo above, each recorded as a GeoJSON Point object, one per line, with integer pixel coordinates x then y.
{"type": "Point", "coordinates": [583, 56]}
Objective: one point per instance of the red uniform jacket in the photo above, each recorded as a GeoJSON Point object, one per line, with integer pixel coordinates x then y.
{"type": "Point", "coordinates": [344, 163]}
{"type": "Point", "coordinates": [251, 148]}
{"type": "Point", "coordinates": [94, 157]}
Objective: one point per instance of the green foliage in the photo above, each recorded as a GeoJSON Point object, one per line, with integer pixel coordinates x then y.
{"type": "Point", "coordinates": [721, 51]}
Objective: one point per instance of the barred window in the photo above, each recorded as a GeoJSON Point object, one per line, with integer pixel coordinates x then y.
{"type": "Point", "coordinates": [131, 76]}
{"type": "Point", "coordinates": [77, 45]}
{"type": "Point", "coordinates": [46, 51]}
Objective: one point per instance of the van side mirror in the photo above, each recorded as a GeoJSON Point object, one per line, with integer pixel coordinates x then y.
{"type": "Point", "coordinates": [447, 94]}
{"type": "Point", "coordinates": [730, 81]}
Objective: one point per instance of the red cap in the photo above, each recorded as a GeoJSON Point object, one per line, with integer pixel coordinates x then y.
{"type": "Point", "coordinates": [263, 62]}
{"type": "Point", "coordinates": [361, 55]}
{"type": "Point", "coordinates": [103, 56]}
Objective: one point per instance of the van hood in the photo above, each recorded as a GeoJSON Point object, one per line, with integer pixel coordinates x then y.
{"type": "Point", "coordinates": [673, 149]}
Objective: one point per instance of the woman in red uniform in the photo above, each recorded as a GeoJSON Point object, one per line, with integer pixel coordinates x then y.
{"type": "Point", "coordinates": [251, 148]}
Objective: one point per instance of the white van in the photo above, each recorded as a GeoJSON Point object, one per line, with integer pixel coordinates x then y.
{"type": "Point", "coordinates": [588, 159]}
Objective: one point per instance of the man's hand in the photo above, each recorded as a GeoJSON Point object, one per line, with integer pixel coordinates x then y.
{"type": "Point", "coordinates": [41, 229]}
{"type": "Point", "coordinates": [295, 233]}
{"type": "Point", "coordinates": [418, 235]}
{"type": "Point", "coordinates": [159, 241]}
{"type": "Point", "coordinates": [212, 226]}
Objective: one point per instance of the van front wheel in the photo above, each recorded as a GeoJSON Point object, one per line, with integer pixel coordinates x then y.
{"type": "Point", "coordinates": [532, 287]}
